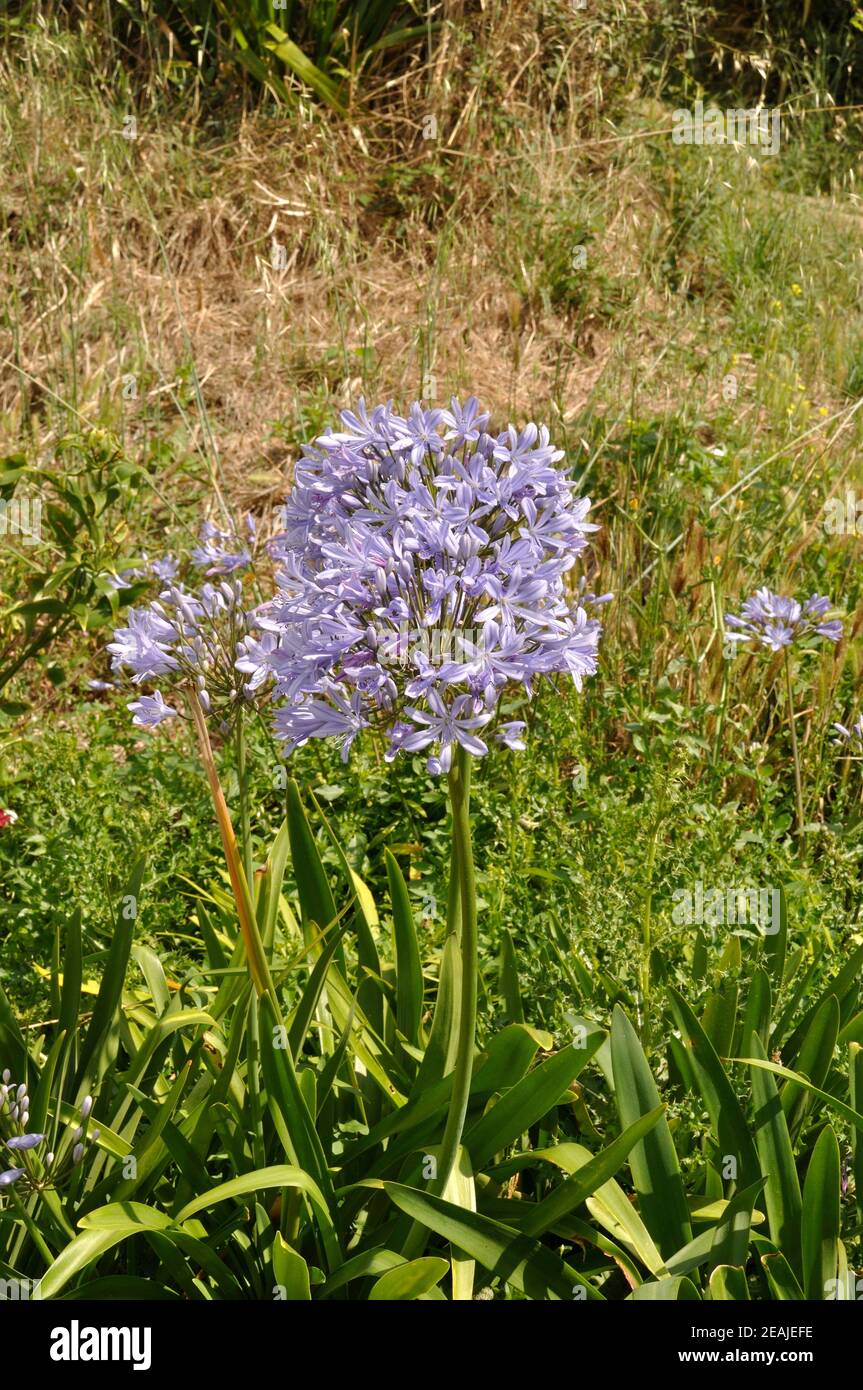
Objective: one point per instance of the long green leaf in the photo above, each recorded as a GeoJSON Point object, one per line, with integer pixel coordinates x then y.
{"type": "Point", "coordinates": [776, 1157]}
{"type": "Point", "coordinates": [586, 1180]}
{"type": "Point", "coordinates": [821, 1218]}
{"type": "Point", "coordinates": [516, 1259]}
{"type": "Point", "coordinates": [527, 1102]}
{"type": "Point", "coordinates": [653, 1162]}
{"type": "Point", "coordinates": [111, 989]}
{"type": "Point", "coordinates": [409, 975]}
{"type": "Point", "coordinates": [726, 1115]}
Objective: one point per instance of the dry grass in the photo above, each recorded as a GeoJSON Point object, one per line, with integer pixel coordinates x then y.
{"type": "Point", "coordinates": [400, 272]}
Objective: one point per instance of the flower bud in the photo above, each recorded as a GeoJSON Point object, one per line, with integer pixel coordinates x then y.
{"type": "Point", "coordinates": [79, 1134]}
{"type": "Point", "coordinates": [7, 1076]}
{"type": "Point", "coordinates": [86, 1106]}
{"type": "Point", "coordinates": [77, 1153]}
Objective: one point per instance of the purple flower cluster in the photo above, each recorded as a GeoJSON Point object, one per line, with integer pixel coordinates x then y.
{"type": "Point", "coordinates": [776, 622]}
{"type": "Point", "coordinates": [14, 1116]}
{"type": "Point", "coordinates": [185, 638]}
{"type": "Point", "coordinates": [421, 572]}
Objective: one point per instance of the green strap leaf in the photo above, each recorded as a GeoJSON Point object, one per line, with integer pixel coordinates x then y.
{"type": "Point", "coordinates": [527, 1102]}
{"type": "Point", "coordinates": [776, 1157]}
{"type": "Point", "coordinates": [821, 1218]}
{"type": "Point", "coordinates": [409, 975]}
{"type": "Point", "coordinates": [653, 1162]}
{"type": "Point", "coordinates": [597, 1171]}
{"type": "Point", "coordinates": [516, 1259]}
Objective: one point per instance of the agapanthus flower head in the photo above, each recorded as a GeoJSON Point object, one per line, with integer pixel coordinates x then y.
{"type": "Point", "coordinates": [186, 639]}
{"type": "Point", "coordinates": [423, 570]}
{"type": "Point", "coordinates": [776, 622]}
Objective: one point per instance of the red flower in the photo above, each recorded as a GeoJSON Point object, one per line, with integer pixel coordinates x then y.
{"type": "Point", "coordinates": [6, 818]}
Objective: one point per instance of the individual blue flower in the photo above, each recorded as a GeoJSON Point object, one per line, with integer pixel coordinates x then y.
{"type": "Point", "coordinates": [214, 554]}
{"type": "Point", "coordinates": [24, 1141]}
{"type": "Point", "coordinates": [510, 734]}
{"type": "Point", "coordinates": [144, 646]}
{"type": "Point", "coordinates": [336, 717]}
{"type": "Point", "coordinates": [150, 710]}
{"type": "Point", "coordinates": [11, 1175]}
{"type": "Point", "coordinates": [165, 569]}
{"type": "Point", "coordinates": [446, 726]}
{"type": "Point", "coordinates": [466, 423]}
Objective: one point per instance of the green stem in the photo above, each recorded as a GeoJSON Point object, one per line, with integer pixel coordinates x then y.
{"type": "Point", "coordinates": [245, 823]}
{"type": "Point", "coordinates": [798, 786]}
{"type": "Point", "coordinates": [34, 1232]}
{"type": "Point", "coordinates": [253, 1039]}
{"type": "Point", "coordinates": [453, 906]}
{"type": "Point", "coordinates": [459, 793]}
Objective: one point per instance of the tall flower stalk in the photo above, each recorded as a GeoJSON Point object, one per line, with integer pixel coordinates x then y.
{"type": "Point", "coordinates": [780, 624]}
{"type": "Point", "coordinates": [425, 571]}
{"type": "Point", "coordinates": [240, 885]}
{"type": "Point", "coordinates": [795, 752]}
{"type": "Point", "coordinates": [462, 861]}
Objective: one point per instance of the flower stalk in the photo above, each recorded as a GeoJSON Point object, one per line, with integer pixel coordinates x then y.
{"type": "Point", "coordinates": [798, 785]}
{"type": "Point", "coordinates": [254, 947]}
{"type": "Point", "coordinates": [462, 859]}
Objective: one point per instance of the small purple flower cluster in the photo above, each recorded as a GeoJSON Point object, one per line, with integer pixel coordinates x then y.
{"type": "Point", "coordinates": [422, 572]}
{"type": "Point", "coordinates": [14, 1117]}
{"type": "Point", "coordinates": [777, 622]}
{"type": "Point", "coordinates": [188, 637]}
{"type": "Point", "coordinates": [850, 737]}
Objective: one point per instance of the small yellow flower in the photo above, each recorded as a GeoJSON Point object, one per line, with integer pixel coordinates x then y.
{"type": "Point", "coordinates": [633, 502]}
{"type": "Point", "coordinates": [717, 560]}
{"type": "Point", "coordinates": [822, 410]}
{"type": "Point", "coordinates": [796, 289]}
{"type": "Point", "coordinates": [735, 359]}
{"type": "Point", "coordinates": [789, 410]}
{"type": "Point", "coordinates": [776, 303]}
{"type": "Point", "coordinates": [800, 386]}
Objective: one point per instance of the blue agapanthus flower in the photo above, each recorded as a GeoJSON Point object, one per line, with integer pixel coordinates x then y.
{"type": "Point", "coordinates": [424, 569]}
{"type": "Point", "coordinates": [776, 622]}
{"type": "Point", "coordinates": [25, 1141]}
